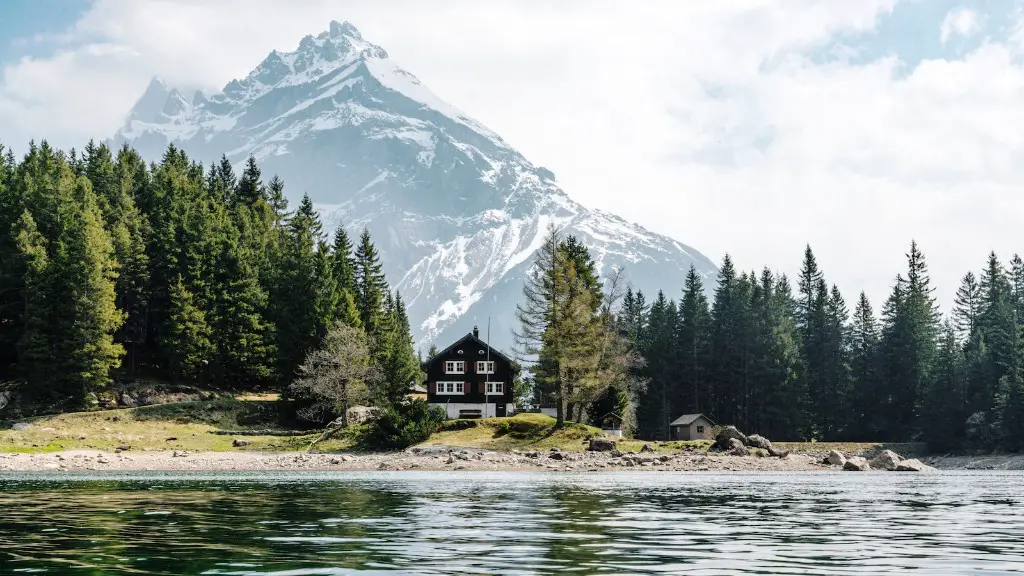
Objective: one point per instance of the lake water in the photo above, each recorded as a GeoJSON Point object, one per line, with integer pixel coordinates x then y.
{"type": "Point", "coordinates": [512, 523]}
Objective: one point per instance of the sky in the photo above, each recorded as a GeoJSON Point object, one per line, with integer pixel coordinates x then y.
{"type": "Point", "coordinates": [748, 127]}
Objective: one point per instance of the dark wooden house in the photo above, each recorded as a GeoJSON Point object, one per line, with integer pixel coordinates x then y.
{"type": "Point", "coordinates": [470, 379]}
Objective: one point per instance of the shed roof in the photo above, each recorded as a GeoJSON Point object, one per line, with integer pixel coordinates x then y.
{"type": "Point", "coordinates": [687, 419]}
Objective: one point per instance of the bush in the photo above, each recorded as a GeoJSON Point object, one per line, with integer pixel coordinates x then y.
{"type": "Point", "coordinates": [403, 425]}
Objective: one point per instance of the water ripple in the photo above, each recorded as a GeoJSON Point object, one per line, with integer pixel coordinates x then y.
{"type": "Point", "coordinates": [513, 524]}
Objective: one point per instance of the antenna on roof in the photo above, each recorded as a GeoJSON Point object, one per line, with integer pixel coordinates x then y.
{"type": "Point", "coordinates": [487, 367]}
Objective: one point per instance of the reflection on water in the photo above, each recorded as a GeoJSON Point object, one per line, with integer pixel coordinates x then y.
{"type": "Point", "coordinates": [512, 523]}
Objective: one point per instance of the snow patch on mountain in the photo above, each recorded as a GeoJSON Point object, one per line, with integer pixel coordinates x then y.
{"type": "Point", "coordinates": [456, 212]}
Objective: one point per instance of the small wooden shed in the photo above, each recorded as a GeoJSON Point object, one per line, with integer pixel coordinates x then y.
{"type": "Point", "coordinates": [691, 427]}
{"type": "Point", "coordinates": [611, 425]}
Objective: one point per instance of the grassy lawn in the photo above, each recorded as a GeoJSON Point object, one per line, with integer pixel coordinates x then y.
{"type": "Point", "coordinates": [180, 426]}
{"type": "Point", "coordinates": [530, 432]}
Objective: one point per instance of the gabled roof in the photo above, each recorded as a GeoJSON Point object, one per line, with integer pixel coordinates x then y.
{"type": "Point", "coordinates": [471, 338]}
{"type": "Point", "coordinates": [687, 419]}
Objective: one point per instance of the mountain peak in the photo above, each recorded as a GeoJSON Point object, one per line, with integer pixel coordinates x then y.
{"type": "Point", "coordinates": [151, 104]}
{"type": "Point", "coordinates": [340, 29]}
{"type": "Point", "coordinates": [456, 212]}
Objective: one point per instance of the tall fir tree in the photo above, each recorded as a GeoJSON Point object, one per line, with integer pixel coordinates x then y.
{"type": "Point", "coordinates": [297, 311]}
{"type": "Point", "coordinates": [371, 290]}
{"type": "Point", "coordinates": [694, 335]}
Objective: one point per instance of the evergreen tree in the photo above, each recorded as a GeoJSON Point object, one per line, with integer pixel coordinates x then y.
{"type": "Point", "coordinates": [967, 307]}
{"type": "Point", "coordinates": [371, 288]}
{"type": "Point", "coordinates": [343, 269]}
{"type": "Point", "coordinates": [869, 400]}
{"type": "Point", "coordinates": [129, 229]}
{"type": "Point", "coordinates": [997, 327]}
{"type": "Point", "coordinates": [86, 313]}
{"type": "Point", "coordinates": [1011, 394]}
{"type": "Point", "coordinates": [693, 343]}
{"type": "Point", "coordinates": [35, 346]}
{"type": "Point", "coordinates": [244, 338]}
{"type": "Point", "coordinates": [945, 399]}
{"type": "Point", "coordinates": [299, 312]}
{"type": "Point", "coordinates": [249, 191]}
{"type": "Point", "coordinates": [189, 345]}
{"type": "Point", "coordinates": [12, 273]}
{"type": "Point", "coordinates": [277, 200]}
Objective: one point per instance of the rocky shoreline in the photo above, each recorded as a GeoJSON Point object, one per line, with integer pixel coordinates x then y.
{"type": "Point", "coordinates": [417, 458]}
{"type": "Point", "coordinates": [420, 458]}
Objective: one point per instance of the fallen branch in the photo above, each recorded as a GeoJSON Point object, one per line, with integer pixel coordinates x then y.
{"type": "Point", "coordinates": [331, 429]}
{"type": "Point", "coordinates": [259, 432]}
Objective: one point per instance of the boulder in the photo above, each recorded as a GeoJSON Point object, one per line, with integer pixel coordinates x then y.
{"type": "Point", "coordinates": [240, 443]}
{"type": "Point", "coordinates": [835, 458]}
{"type": "Point", "coordinates": [758, 441]}
{"type": "Point", "coordinates": [21, 426]}
{"type": "Point", "coordinates": [857, 464]}
{"type": "Point", "coordinates": [725, 435]}
{"type": "Point", "coordinates": [601, 445]}
{"type": "Point", "coordinates": [886, 460]}
{"type": "Point", "coordinates": [913, 465]}
{"type": "Point", "coordinates": [556, 456]}
{"type": "Point", "coordinates": [778, 453]}
{"type": "Point", "coordinates": [736, 448]}
{"type": "Point", "coordinates": [616, 453]}
{"type": "Point", "coordinates": [5, 399]}
{"type": "Point", "coordinates": [647, 448]}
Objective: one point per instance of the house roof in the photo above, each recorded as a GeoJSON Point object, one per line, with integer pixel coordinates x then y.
{"type": "Point", "coordinates": [611, 415]}
{"type": "Point", "coordinates": [475, 339]}
{"type": "Point", "coordinates": [687, 419]}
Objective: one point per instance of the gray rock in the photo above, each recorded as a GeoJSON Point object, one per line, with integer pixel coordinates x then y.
{"type": "Point", "coordinates": [835, 458]}
{"type": "Point", "coordinates": [647, 448]}
{"type": "Point", "coordinates": [601, 445]}
{"type": "Point", "coordinates": [616, 453]}
{"type": "Point", "coordinates": [728, 433]}
{"type": "Point", "coordinates": [857, 464]}
{"type": "Point", "coordinates": [240, 443]}
{"type": "Point", "coordinates": [557, 456]}
{"type": "Point", "coordinates": [736, 448]}
{"type": "Point", "coordinates": [778, 453]}
{"type": "Point", "coordinates": [886, 460]}
{"type": "Point", "coordinates": [913, 465]}
{"type": "Point", "coordinates": [5, 399]}
{"type": "Point", "coordinates": [758, 441]}
{"type": "Point", "coordinates": [21, 426]}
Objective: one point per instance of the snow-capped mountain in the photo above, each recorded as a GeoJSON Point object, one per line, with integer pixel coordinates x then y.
{"type": "Point", "coordinates": [456, 212]}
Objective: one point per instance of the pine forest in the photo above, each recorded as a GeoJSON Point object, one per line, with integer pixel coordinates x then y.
{"type": "Point", "coordinates": [112, 269]}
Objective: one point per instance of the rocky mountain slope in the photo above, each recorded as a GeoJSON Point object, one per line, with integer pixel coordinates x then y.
{"type": "Point", "coordinates": [456, 211]}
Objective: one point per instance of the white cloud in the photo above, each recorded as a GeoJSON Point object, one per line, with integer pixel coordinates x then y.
{"type": "Point", "coordinates": [707, 121]}
{"type": "Point", "coordinates": [959, 22]}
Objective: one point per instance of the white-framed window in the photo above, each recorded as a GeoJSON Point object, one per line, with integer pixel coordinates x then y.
{"type": "Point", "coordinates": [450, 387]}
{"type": "Point", "coordinates": [485, 367]}
{"type": "Point", "coordinates": [455, 367]}
{"type": "Point", "coordinates": [495, 387]}
{"type": "Point", "coordinates": [700, 429]}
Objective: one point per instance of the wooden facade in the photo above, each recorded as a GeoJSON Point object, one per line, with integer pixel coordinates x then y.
{"type": "Point", "coordinates": [692, 427]}
{"type": "Point", "coordinates": [458, 379]}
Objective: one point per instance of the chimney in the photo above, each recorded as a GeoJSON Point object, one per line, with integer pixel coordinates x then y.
{"type": "Point", "coordinates": [476, 332]}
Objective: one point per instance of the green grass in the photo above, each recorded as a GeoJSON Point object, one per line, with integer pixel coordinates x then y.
{"type": "Point", "coordinates": [179, 426]}
{"type": "Point", "coordinates": [528, 431]}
